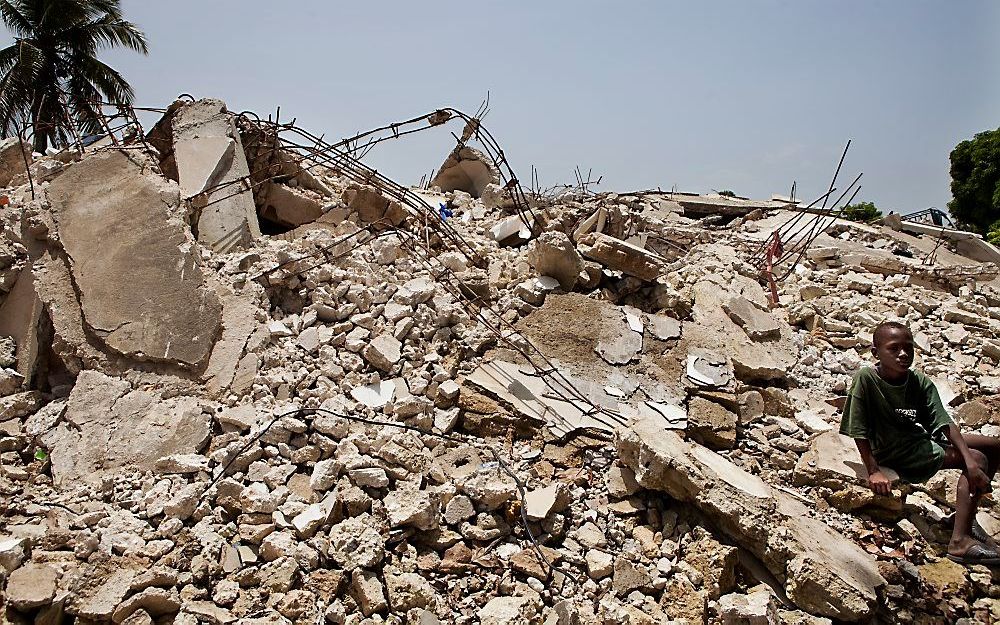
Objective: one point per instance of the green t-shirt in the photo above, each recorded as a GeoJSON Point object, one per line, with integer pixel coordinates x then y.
{"type": "Point", "coordinates": [904, 423]}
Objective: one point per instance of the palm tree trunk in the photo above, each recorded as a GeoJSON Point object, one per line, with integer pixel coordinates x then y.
{"type": "Point", "coordinates": [39, 125]}
{"type": "Point", "coordinates": [41, 139]}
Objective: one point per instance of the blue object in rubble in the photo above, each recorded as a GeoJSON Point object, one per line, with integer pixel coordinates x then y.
{"type": "Point", "coordinates": [444, 211]}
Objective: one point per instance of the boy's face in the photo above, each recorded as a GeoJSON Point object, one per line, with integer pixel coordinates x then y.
{"type": "Point", "coordinates": [894, 351]}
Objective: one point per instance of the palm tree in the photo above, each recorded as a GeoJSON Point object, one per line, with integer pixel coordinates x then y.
{"type": "Point", "coordinates": [51, 76]}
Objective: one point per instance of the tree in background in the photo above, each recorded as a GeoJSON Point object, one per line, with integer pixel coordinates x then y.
{"type": "Point", "coordinates": [993, 233]}
{"type": "Point", "coordinates": [975, 181]}
{"type": "Point", "coordinates": [51, 71]}
{"type": "Point", "coordinates": [862, 211]}
{"type": "Point", "coordinates": [727, 193]}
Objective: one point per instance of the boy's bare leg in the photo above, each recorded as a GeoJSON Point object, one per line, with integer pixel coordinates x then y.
{"type": "Point", "coordinates": [989, 446]}
{"type": "Point", "coordinates": [967, 503]}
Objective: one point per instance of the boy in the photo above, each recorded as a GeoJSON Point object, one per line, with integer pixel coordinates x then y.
{"type": "Point", "coordinates": [897, 420]}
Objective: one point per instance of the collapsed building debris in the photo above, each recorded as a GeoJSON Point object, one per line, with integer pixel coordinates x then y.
{"type": "Point", "coordinates": [262, 382]}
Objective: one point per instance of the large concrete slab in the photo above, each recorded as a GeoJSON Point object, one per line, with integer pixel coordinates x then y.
{"type": "Point", "coordinates": [134, 265]}
{"type": "Point", "coordinates": [208, 153]}
{"type": "Point", "coordinates": [823, 572]}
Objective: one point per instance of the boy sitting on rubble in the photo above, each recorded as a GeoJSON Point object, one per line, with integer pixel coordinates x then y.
{"type": "Point", "coordinates": [898, 421]}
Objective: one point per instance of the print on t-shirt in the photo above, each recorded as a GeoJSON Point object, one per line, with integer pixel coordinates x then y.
{"type": "Point", "coordinates": [909, 415]}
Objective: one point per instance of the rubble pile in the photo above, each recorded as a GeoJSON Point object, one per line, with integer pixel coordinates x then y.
{"type": "Point", "coordinates": [240, 386]}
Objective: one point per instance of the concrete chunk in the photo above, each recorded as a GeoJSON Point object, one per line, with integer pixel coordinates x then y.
{"type": "Point", "coordinates": [553, 254]}
{"type": "Point", "coordinates": [31, 586]}
{"type": "Point", "coordinates": [759, 325]}
{"type": "Point", "coordinates": [108, 425]}
{"type": "Point", "coordinates": [466, 169]}
{"type": "Point", "coordinates": [13, 153]}
{"type": "Point", "coordinates": [383, 352]}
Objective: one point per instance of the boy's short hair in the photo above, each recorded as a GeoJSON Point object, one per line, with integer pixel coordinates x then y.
{"type": "Point", "coordinates": [887, 325]}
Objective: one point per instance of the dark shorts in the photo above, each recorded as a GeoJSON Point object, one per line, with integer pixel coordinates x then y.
{"type": "Point", "coordinates": [919, 466]}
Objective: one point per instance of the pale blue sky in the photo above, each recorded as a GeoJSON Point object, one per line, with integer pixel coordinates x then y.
{"type": "Point", "coordinates": [746, 95]}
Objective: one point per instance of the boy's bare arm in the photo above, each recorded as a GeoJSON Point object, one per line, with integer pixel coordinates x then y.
{"type": "Point", "coordinates": [877, 480]}
{"type": "Point", "coordinates": [979, 482]}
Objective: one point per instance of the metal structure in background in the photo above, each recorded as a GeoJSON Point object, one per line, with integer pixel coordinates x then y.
{"type": "Point", "coordinates": [932, 216]}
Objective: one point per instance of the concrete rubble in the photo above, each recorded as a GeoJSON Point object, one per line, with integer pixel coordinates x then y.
{"type": "Point", "coordinates": [248, 388]}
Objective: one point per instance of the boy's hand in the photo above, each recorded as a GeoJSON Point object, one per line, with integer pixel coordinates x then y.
{"type": "Point", "coordinates": [880, 484]}
{"type": "Point", "coordinates": [979, 482]}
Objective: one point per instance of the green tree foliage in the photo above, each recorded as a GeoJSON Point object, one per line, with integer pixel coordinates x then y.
{"type": "Point", "coordinates": [993, 234]}
{"type": "Point", "coordinates": [975, 181]}
{"type": "Point", "coordinates": [861, 211]}
{"type": "Point", "coordinates": [51, 71]}
{"type": "Point", "coordinates": [727, 193]}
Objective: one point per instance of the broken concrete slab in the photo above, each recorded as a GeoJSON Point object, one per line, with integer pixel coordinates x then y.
{"type": "Point", "coordinates": [620, 256]}
{"type": "Point", "coordinates": [204, 160]}
{"type": "Point", "coordinates": [208, 152]}
{"type": "Point", "coordinates": [108, 425]}
{"type": "Point", "coordinates": [31, 586]}
{"type": "Point", "coordinates": [529, 394]}
{"type": "Point", "coordinates": [664, 328]}
{"type": "Point", "coordinates": [512, 230]}
{"type": "Point", "coordinates": [706, 368]}
{"type": "Point", "coordinates": [823, 572]}
{"type": "Point", "coordinates": [466, 169]}
{"type": "Point", "coordinates": [372, 207]}
{"type": "Point", "coordinates": [752, 361]}
{"type": "Point", "coordinates": [140, 283]}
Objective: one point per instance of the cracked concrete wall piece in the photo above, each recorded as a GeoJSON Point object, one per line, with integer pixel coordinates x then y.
{"type": "Point", "coordinates": [371, 206]}
{"type": "Point", "coordinates": [109, 425]}
{"type": "Point", "coordinates": [238, 323]}
{"type": "Point", "coordinates": [70, 341]}
{"type": "Point", "coordinates": [208, 152]}
{"type": "Point", "coordinates": [133, 264]}
{"type": "Point", "coordinates": [621, 256]}
{"type": "Point", "coordinates": [466, 169]}
{"type": "Point", "coordinates": [824, 573]}
{"type": "Point", "coordinates": [19, 317]}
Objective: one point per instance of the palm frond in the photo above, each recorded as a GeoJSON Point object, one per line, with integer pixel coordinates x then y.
{"type": "Point", "coordinates": [104, 32]}
{"type": "Point", "coordinates": [16, 21]}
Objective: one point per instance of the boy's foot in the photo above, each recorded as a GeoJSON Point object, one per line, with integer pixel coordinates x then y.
{"type": "Point", "coordinates": [978, 532]}
{"type": "Point", "coordinates": [977, 553]}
